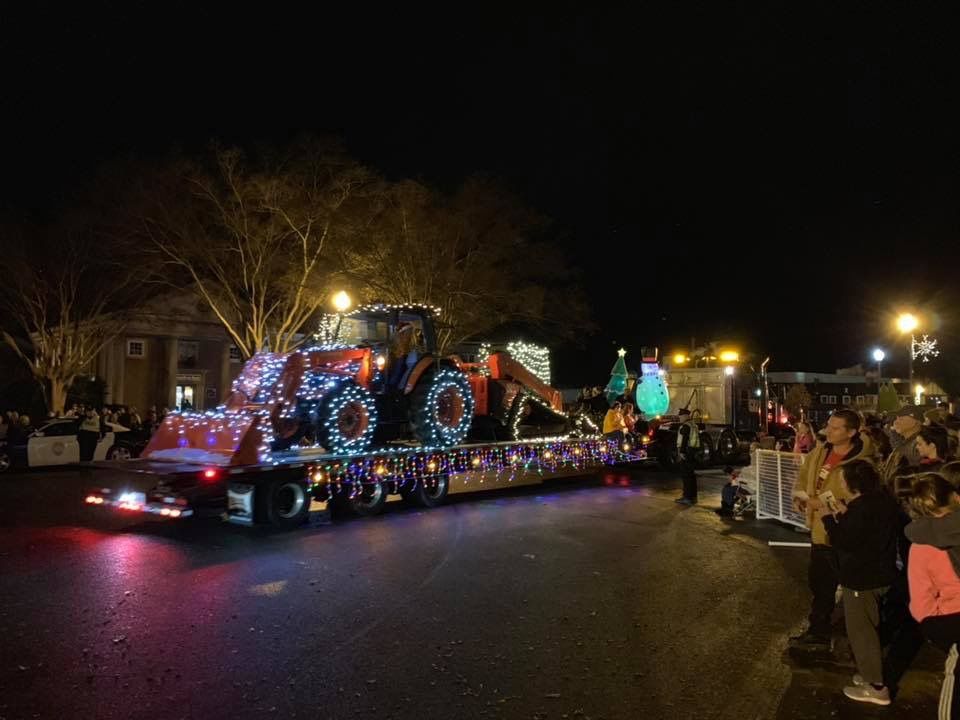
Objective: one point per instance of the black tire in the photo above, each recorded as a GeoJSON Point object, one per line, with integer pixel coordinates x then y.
{"type": "Point", "coordinates": [705, 451]}
{"type": "Point", "coordinates": [346, 419]}
{"type": "Point", "coordinates": [370, 501]}
{"type": "Point", "coordinates": [283, 503]}
{"type": "Point", "coordinates": [728, 446]}
{"type": "Point", "coordinates": [441, 407]}
{"type": "Point", "coordinates": [119, 452]}
{"type": "Point", "coordinates": [427, 493]}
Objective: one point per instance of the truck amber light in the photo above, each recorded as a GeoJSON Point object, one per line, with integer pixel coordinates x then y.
{"type": "Point", "coordinates": [174, 513]}
{"type": "Point", "coordinates": [91, 499]}
{"type": "Point", "coordinates": [381, 362]}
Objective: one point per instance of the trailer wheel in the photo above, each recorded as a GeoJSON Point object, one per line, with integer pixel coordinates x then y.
{"type": "Point", "coordinates": [370, 501]}
{"type": "Point", "coordinates": [441, 407]}
{"type": "Point", "coordinates": [427, 493]}
{"type": "Point", "coordinates": [283, 503]}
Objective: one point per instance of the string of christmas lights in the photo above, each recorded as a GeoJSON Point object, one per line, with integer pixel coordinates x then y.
{"type": "Point", "coordinates": [535, 358]}
{"type": "Point", "coordinates": [402, 469]}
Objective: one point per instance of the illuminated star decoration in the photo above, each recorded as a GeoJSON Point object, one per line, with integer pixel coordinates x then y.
{"type": "Point", "coordinates": [621, 352]}
{"type": "Point", "coordinates": [925, 348]}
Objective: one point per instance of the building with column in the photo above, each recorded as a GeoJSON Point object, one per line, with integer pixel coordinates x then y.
{"type": "Point", "coordinates": [174, 353]}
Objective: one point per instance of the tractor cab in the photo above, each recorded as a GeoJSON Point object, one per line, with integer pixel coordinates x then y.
{"type": "Point", "coordinates": [399, 338]}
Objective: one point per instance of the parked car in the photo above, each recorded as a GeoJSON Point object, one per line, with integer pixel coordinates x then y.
{"type": "Point", "coordinates": [56, 443]}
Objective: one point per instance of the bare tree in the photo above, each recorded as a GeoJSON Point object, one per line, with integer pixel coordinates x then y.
{"type": "Point", "coordinates": [474, 255]}
{"type": "Point", "coordinates": [797, 400]}
{"type": "Point", "coordinates": [65, 293]}
{"type": "Point", "coordinates": [251, 237]}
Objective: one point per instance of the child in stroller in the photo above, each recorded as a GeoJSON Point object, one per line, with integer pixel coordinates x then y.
{"type": "Point", "coordinates": [737, 496]}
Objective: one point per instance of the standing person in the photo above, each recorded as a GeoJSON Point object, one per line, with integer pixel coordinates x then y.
{"type": "Point", "coordinates": [903, 434]}
{"type": "Point", "coordinates": [932, 448]}
{"type": "Point", "coordinates": [822, 472]}
{"type": "Point", "coordinates": [932, 573]}
{"type": "Point", "coordinates": [89, 434]}
{"type": "Point", "coordinates": [688, 445]}
{"type": "Point", "coordinates": [864, 533]}
{"type": "Point", "coordinates": [806, 440]}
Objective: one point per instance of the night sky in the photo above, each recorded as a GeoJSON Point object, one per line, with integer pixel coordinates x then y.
{"type": "Point", "coordinates": [786, 180]}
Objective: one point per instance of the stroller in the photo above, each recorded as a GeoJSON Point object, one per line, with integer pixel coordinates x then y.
{"type": "Point", "coordinates": [738, 496]}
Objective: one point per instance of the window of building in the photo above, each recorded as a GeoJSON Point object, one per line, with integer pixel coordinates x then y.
{"type": "Point", "coordinates": [188, 353]}
{"type": "Point", "coordinates": [824, 399]}
{"type": "Point", "coordinates": [235, 356]}
{"type": "Point", "coordinates": [846, 399]}
{"type": "Point", "coordinates": [831, 399]}
{"type": "Point", "coordinates": [136, 348]}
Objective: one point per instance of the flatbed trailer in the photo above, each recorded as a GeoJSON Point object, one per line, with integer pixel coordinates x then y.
{"type": "Point", "coordinates": [280, 493]}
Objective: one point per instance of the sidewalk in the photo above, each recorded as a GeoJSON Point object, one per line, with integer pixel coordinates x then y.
{"type": "Point", "coordinates": [816, 688]}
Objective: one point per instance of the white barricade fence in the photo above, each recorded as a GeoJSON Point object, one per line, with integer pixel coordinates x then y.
{"type": "Point", "coordinates": [776, 475]}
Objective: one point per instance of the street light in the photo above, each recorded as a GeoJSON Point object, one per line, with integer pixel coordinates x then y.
{"type": "Point", "coordinates": [907, 323]}
{"type": "Point", "coordinates": [878, 356]}
{"type": "Point", "coordinates": [341, 301]}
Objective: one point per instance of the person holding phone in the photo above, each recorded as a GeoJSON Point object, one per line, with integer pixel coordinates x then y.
{"type": "Point", "coordinates": [821, 472]}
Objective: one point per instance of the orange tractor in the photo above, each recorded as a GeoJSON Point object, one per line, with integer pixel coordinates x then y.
{"type": "Point", "coordinates": [381, 381]}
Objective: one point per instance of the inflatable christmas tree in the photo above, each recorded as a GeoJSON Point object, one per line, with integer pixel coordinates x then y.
{"type": "Point", "coordinates": [651, 395]}
{"type": "Point", "coordinates": [887, 400]}
{"type": "Point", "coordinates": [618, 378]}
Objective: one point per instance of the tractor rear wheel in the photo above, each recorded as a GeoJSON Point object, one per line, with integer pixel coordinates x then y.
{"type": "Point", "coordinates": [441, 407]}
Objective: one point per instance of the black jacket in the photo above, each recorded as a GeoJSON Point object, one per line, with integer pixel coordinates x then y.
{"type": "Point", "coordinates": [865, 538]}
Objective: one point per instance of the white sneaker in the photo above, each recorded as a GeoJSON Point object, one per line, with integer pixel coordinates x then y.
{"type": "Point", "coordinates": [858, 680]}
{"type": "Point", "coordinates": [868, 694]}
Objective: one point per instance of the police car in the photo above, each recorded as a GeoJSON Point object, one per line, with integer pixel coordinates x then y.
{"type": "Point", "coordinates": [56, 443]}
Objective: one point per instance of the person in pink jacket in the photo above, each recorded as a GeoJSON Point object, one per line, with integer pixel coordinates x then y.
{"type": "Point", "coordinates": [933, 578]}
{"type": "Point", "coordinates": [805, 440]}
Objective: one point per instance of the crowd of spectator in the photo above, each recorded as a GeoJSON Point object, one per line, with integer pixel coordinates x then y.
{"type": "Point", "coordinates": [880, 496]}
{"type": "Point", "coordinates": [16, 427]}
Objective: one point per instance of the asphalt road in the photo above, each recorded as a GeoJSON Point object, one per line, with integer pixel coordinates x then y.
{"type": "Point", "coordinates": [588, 598]}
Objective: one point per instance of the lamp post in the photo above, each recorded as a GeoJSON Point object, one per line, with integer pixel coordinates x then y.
{"type": "Point", "coordinates": [341, 303]}
{"type": "Point", "coordinates": [907, 323]}
{"type": "Point", "coordinates": [878, 356]}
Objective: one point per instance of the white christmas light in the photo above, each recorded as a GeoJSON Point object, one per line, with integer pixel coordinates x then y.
{"type": "Point", "coordinates": [534, 358]}
{"type": "Point", "coordinates": [924, 349]}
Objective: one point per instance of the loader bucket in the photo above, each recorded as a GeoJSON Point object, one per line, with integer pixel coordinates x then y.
{"type": "Point", "coordinates": [212, 439]}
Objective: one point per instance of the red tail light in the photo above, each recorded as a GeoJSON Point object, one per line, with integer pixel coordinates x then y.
{"type": "Point", "coordinates": [210, 474]}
